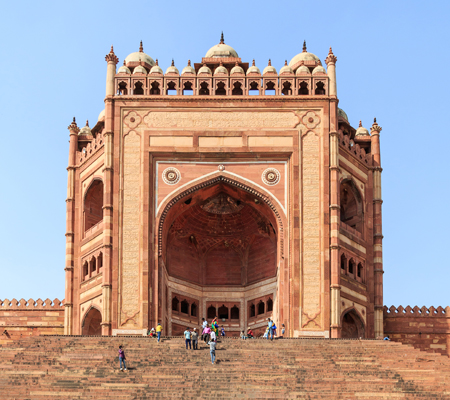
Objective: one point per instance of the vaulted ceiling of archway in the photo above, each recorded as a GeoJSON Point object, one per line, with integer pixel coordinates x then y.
{"type": "Point", "coordinates": [221, 240]}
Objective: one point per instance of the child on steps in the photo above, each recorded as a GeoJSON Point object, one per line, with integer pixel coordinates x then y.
{"type": "Point", "coordinates": [122, 358]}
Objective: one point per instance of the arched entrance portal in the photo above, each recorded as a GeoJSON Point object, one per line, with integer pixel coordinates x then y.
{"type": "Point", "coordinates": [92, 323]}
{"type": "Point", "coordinates": [352, 326]}
{"type": "Point", "coordinates": [219, 255]}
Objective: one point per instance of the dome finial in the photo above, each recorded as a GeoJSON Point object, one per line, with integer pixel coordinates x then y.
{"type": "Point", "coordinates": [189, 62]}
{"type": "Point", "coordinates": [304, 46]}
{"type": "Point", "coordinates": [270, 62]}
{"type": "Point", "coordinates": [374, 120]}
{"type": "Point", "coordinates": [253, 63]}
{"type": "Point", "coordinates": [112, 50]}
{"type": "Point", "coordinates": [157, 62]}
{"type": "Point", "coordinates": [124, 63]}
{"type": "Point", "coordinates": [360, 124]}
{"type": "Point", "coordinates": [173, 63]}
{"type": "Point", "coordinates": [285, 62]}
{"type": "Point", "coordinates": [222, 41]}
{"type": "Point", "coordinates": [87, 122]}
{"type": "Point", "coordinates": [141, 48]}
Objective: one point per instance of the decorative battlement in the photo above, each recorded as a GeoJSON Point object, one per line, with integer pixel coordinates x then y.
{"type": "Point", "coordinates": [91, 148]}
{"type": "Point", "coordinates": [416, 311]}
{"type": "Point", "coordinates": [31, 304]}
{"type": "Point", "coordinates": [354, 149]}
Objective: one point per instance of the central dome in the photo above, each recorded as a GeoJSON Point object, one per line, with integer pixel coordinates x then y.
{"type": "Point", "coordinates": [304, 56]}
{"type": "Point", "coordinates": [221, 50]}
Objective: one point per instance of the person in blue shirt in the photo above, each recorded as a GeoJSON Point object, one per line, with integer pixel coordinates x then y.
{"type": "Point", "coordinates": [270, 332]}
{"type": "Point", "coordinates": [187, 337]}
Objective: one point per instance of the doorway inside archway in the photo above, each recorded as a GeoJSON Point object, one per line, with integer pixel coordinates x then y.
{"type": "Point", "coordinates": [352, 326]}
{"type": "Point", "coordinates": [92, 323]}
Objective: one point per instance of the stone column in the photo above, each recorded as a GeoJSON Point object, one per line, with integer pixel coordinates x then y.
{"type": "Point", "coordinates": [108, 193]}
{"type": "Point", "coordinates": [335, 287]}
{"type": "Point", "coordinates": [331, 70]}
{"type": "Point", "coordinates": [68, 304]}
{"type": "Point", "coordinates": [377, 229]}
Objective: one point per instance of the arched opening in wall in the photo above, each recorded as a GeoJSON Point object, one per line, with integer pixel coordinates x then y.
{"type": "Point", "coordinates": [187, 89]}
{"type": "Point", "coordinates": [252, 310]}
{"type": "Point", "coordinates": [352, 326]}
{"type": "Point", "coordinates": [85, 271]}
{"type": "Point", "coordinates": [154, 88]}
{"type": "Point", "coordinates": [100, 262]}
{"type": "Point", "coordinates": [138, 88]}
{"type": "Point", "coordinates": [237, 89]}
{"type": "Point", "coordinates": [175, 303]}
{"type": "Point", "coordinates": [92, 323]}
{"type": "Point", "coordinates": [234, 314]}
{"type": "Point", "coordinates": [270, 89]}
{"type": "Point", "coordinates": [253, 89]}
{"type": "Point", "coordinates": [93, 205]}
{"type": "Point", "coordinates": [287, 89]}
{"type": "Point", "coordinates": [303, 90]}
{"type": "Point", "coordinates": [171, 88]}
{"type": "Point", "coordinates": [193, 310]}
{"type": "Point", "coordinates": [223, 312]}
{"type": "Point", "coordinates": [343, 263]}
{"type": "Point", "coordinates": [260, 307]}
{"type": "Point", "coordinates": [93, 265]}
{"type": "Point", "coordinates": [204, 89]}
{"type": "Point", "coordinates": [221, 91]}
{"type": "Point", "coordinates": [211, 312]}
{"type": "Point", "coordinates": [122, 89]}
{"type": "Point", "coordinates": [351, 266]}
{"type": "Point", "coordinates": [185, 307]}
{"type": "Point", "coordinates": [269, 305]}
{"type": "Point", "coordinates": [351, 206]}
{"type": "Point", "coordinates": [360, 273]}
{"type": "Point", "coordinates": [320, 88]}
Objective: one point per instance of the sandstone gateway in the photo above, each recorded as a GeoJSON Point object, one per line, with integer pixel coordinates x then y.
{"type": "Point", "coordinates": [223, 190]}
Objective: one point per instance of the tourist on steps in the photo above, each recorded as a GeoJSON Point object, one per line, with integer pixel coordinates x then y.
{"type": "Point", "coordinates": [215, 327]}
{"type": "Point", "coordinates": [242, 336]}
{"type": "Point", "coordinates": [187, 337]}
{"type": "Point", "coordinates": [222, 331]}
{"type": "Point", "coordinates": [194, 338]}
{"type": "Point", "coordinates": [206, 333]}
{"type": "Point", "coordinates": [283, 329]}
{"type": "Point", "coordinates": [249, 333]}
{"type": "Point", "coordinates": [122, 358]}
{"type": "Point", "coordinates": [212, 350]}
{"type": "Point", "coordinates": [204, 325]}
{"type": "Point", "coordinates": [159, 328]}
{"type": "Point", "coordinates": [270, 332]}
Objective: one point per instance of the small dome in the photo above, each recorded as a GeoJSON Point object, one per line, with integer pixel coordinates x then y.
{"type": "Point", "coordinates": [101, 116]}
{"type": "Point", "coordinates": [140, 70]}
{"type": "Point", "coordinates": [342, 113]}
{"type": "Point", "coordinates": [319, 70]}
{"type": "Point", "coordinates": [124, 69]}
{"type": "Point", "coordinates": [270, 69]}
{"type": "Point", "coordinates": [237, 69]}
{"type": "Point", "coordinates": [85, 130]}
{"type": "Point", "coordinates": [220, 70]}
{"type": "Point", "coordinates": [156, 69]}
{"type": "Point", "coordinates": [303, 70]}
{"type": "Point", "coordinates": [139, 56]}
{"type": "Point", "coordinates": [304, 56]}
{"type": "Point", "coordinates": [286, 69]}
{"type": "Point", "coordinates": [204, 70]}
{"type": "Point", "coordinates": [172, 69]}
{"type": "Point", "coordinates": [188, 69]}
{"type": "Point", "coordinates": [253, 69]}
{"type": "Point", "coordinates": [361, 131]}
{"type": "Point", "coordinates": [221, 50]}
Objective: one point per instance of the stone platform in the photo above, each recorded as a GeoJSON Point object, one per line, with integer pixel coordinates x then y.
{"type": "Point", "coordinates": [69, 367]}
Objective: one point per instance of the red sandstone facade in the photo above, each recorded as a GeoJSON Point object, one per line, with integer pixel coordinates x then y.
{"type": "Point", "coordinates": [224, 191]}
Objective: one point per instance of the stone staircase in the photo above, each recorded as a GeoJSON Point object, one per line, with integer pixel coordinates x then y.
{"type": "Point", "coordinates": [68, 367]}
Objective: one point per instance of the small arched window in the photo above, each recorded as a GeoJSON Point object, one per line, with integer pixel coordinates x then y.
{"type": "Point", "coordinates": [320, 88]}
{"type": "Point", "coordinates": [93, 205]}
{"type": "Point", "coordinates": [187, 89]}
{"type": "Point", "coordinates": [100, 261]}
{"type": "Point", "coordinates": [204, 90]}
{"type": "Point", "coordinates": [252, 310]}
{"type": "Point", "coordinates": [234, 313]}
{"type": "Point", "coordinates": [351, 266]}
{"type": "Point", "coordinates": [155, 88]}
{"type": "Point", "coordinates": [269, 305]}
{"type": "Point", "coordinates": [171, 88]}
{"type": "Point", "coordinates": [184, 307]}
{"type": "Point", "coordinates": [303, 90]}
{"type": "Point", "coordinates": [221, 91]}
{"type": "Point", "coordinates": [287, 89]}
{"type": "Point", "coordinates": [270, 89]}
{"type": "Point", "coordinates": [93, 264]}
{"type": "Point", "coordinates": [193, 310]}
{"type": "Point", "coordinates": [122, 90]}
{"type": "Point", "coordinates": [175, 303]}
{"type": "Point", "coordinates": [343, 263]}
{"type": "Point", "coordinates": [253, 89]}
{"type": "Point", "coordinates": [360, 273]}
{"type": "Point", "coordinates": [85, 270]}
{"type": "Point", "coordinates": [211, 312]}
{"type": "Point", "coordinates": [138, 88]}
{"type": "Point", "coordinates": [260, 307]}
{"type": "Point", "coordinates": [237, 89]}
{"type": "Point", "coordinates": [223, 312]}
{"type": "Point", "coordinates": [351, 206]}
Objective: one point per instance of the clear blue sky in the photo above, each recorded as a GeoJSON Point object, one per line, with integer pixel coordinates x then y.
{"type": "Point", "coordinates": [392, 61]}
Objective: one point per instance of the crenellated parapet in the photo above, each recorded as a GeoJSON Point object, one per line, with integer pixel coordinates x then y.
{"type": "Point", "coordinates": [408, 311]}
{"type": "Point", "coordinates": [31, 304]}
{"type": "Point", "coordinates": [353, 148]}
{"type": "Point", "coordinates": [91, 148]}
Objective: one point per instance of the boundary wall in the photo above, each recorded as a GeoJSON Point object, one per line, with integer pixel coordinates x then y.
{"type": "Point", "coordinates": [31, 318]}
{"type": "Point", "coordinates": [424, 328]}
